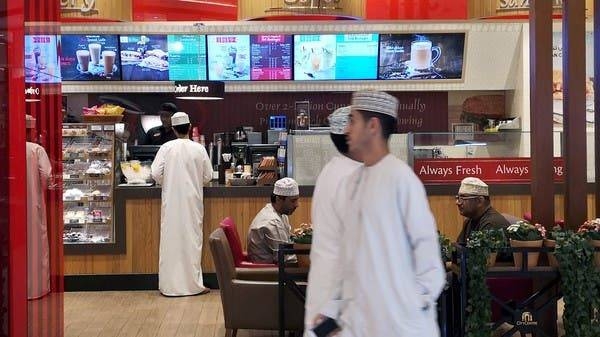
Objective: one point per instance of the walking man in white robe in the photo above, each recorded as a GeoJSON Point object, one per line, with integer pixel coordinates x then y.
{"type": "Point", "coordinates": [182, 167]}
{"type": "Point", "coordinates": [326, 223]}
{"type": "Point", "coordinates": [392, 269]}
{"type": "Point", "coordinates": [39, 172]}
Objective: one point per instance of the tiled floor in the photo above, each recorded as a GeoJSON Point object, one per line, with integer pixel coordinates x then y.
{"type": "Point", "coordinates": [148, 314]}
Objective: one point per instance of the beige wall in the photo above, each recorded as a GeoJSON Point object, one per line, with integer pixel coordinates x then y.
{"type": "Point", "coordinates": [248, 9]}
{"type": "Point", "coordinates": [102, 9]}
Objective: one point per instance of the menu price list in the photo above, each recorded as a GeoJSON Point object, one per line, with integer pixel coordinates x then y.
{"type": "Point", "coordinates": [187, 57]}
{"type": "Point", "coordinates": [271, 57]}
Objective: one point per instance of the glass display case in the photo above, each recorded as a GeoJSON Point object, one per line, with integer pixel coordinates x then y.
{"type": "Point", "coordinates": [88, 176]}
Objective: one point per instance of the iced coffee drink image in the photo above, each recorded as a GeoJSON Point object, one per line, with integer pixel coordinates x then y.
{"type": "Point", "coordinates": [108, 58]}
{"type": "Point", "coordinates": [83, 60]}
{"type": "Point", "coordinates": [94, 49]}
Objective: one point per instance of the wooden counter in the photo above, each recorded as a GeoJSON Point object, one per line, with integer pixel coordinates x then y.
{"type": "Point", "coordinates": [142, 221]}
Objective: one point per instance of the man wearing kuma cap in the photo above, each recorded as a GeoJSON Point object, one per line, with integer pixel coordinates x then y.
{"type": "Point", "coordinates": [271, 226]}
{"type": "Point", "coordinates": [181, 167]}
{"type": "Point", "coordinates": [326, 220]}
{"type": "Point", "coordinates": [473, 202]}
{"type": "Point", "coordinates": [389, 235]}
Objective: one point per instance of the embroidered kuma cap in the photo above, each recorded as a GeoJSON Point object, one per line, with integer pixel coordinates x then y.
{"type": "Point", "coordinates": [180, 118]}
{"type": "Point", "coordinates": [338, 120]}
{"type": "Point", "coordinates": [286, 187]}
{"type": "Point", "coordinates": [375, 101]}
{"type": "Point", "coordinates": [473, 186]}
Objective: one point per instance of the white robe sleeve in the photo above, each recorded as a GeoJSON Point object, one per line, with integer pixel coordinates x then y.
{"type": "Point", "coordinates": [423, 240]}
{"type": "Point", "coordinates": [207, 169]}
{"type": "Point", "coordinates": [45, 168]}
{"type": "Point", "coordinates": [158, 165]}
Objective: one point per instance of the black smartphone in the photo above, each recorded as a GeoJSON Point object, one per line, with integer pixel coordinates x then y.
{"type": "Point", "coordinates": [327, 326]}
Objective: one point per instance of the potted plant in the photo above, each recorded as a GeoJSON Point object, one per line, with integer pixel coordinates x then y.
{"type": "Point", "coordinates": [302, 238]}
{"type": "Point", "coordinates": [480, 245]}
{"type": "Point", "coordinates": [446, 247]}
{"type": "Point", "coordinates": [550, 242]}
{"type": "Point", "coordinates": [591, 231]}
{"type": "Point", "coordinates": [523, 234]}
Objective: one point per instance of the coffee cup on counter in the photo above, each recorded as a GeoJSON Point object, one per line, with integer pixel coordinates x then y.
{"type": "Point", "coordinates": [422, 54]}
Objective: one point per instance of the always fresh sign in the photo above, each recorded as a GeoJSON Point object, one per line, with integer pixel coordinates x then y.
{"type": "Point", "coordinates": [494, 170]}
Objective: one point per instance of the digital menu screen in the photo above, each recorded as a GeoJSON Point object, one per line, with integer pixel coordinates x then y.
{"type": "Point", "coordinates": [187, 57]}
{"type": "Point", "coordinates": [331, 57]}
{"type": "Point", "coordinates": [228, 57]}
{"type": "Point", "coordinates": [144, 57]}
{"type": "Point", "coordinates": [270, 57]}
{"type": "Point", "coordinates": [90, 58]}
{"type": "Point", "coordinates": [41, 59]}
{"type": "Point", "coordinates": [421, 56]}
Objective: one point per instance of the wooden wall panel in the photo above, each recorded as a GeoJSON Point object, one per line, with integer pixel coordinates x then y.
{"type": "Point", "coordinates": [143, 228]}
{"type": "Point", "coordinates": [103, 10]}
{"type": "Point", "coordinates": [248, 9]}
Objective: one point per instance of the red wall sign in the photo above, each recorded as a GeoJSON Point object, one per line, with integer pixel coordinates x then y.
{"type": "Point", "coordinates": [490, 170]}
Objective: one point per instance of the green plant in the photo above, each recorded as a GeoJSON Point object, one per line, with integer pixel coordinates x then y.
{"type": "Point", "coordinates": [590, 229]}
{"type": "Point", "coordinates": [580, 285]}
{"type": "Point", "coordinates": [479, 245]}
{"type": "Point", "coordinates": [556, 230]}
{"type": "Point", "coordinates": [446, 247]}
{"type": "Point", "coordinates": [524, 231]}
{"type": "Point", "coordinates": [302, 234]}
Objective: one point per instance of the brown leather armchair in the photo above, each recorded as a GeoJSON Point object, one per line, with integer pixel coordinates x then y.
{"type": "Point", "coordinates": [249, 303]}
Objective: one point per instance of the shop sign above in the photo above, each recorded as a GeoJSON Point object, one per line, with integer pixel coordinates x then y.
{"type": "Point", "coordinates": [74, 5]}
{"type": "Point", "coordinates": [207, 90]}
{"type": "Point", "coordinates": [491, 170]}
{"type": "Point", "coordinates": [515, 5]}
{"type": "Point", "coordinates": [311, 3]}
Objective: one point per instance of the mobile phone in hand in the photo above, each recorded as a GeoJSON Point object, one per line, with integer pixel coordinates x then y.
{"type": "Point", "coordinates": [326, 327]}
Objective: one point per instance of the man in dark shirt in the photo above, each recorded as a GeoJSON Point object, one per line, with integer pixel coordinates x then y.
{"type": "Point", "coordinates": [163, 133]}
{"type": "Point", "coordinates": [473, 202]}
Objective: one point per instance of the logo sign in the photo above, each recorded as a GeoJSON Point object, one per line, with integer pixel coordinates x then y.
{"type": "Point", "coordinates": [490, 170]}
{"type": "Point", "coordinates": [310, 3]}
{"type": "Point", "coordinates": [526, 323]}
{"type": "Point", "coordinates": [83, 6]}
{"type": "Point", "coordinates": [515, 5]}
{"type": "Point", "coordinates": [199, 89]}
{"type": "Point", "coordinates": [31, 91]}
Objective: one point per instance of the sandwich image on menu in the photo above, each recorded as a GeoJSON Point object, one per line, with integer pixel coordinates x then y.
{"type": "Point", "coordinates": [144, 57]}
{"type": "Point", "coordinates": [90, 58]}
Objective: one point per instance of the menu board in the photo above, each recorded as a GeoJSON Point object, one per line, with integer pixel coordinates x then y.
{"type": "Point", "coordinates": [41, 59]}
{"type": "Point", "coordinates": [421, 56]}
{"type": "Point", "coordinates": [90, 58]}
{"type": "Point", "coordinates": [229, 57]}
{"type": "Point", "coordinates": [187, 57]}
{"type": "Point", "coordinates": [144, 57]}
{"type": "Point", "coordinates": [271, 57]}
{"type": "Point", "coordinates": [335, 57]}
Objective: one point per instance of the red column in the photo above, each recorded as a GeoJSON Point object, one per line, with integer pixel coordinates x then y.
{"type": "Point", "coordinates": [416, 10]}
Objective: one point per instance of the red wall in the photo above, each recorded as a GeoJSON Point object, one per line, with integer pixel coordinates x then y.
{"type": "Point", "coordinates": [226, 10]}
{"type": "Point", "coordinates": [416, 9]}
{"type": "Point", "coordinates": [177, 10]}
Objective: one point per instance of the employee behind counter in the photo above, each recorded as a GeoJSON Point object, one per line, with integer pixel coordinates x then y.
{"type": "Point", "coordinates": [163, 133]}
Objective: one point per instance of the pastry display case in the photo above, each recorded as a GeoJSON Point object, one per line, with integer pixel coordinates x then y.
{"type": "Point", "coordinates": [88, 178]}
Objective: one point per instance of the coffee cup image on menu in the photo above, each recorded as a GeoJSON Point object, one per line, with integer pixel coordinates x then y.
{"type": "Point", "coordinates": [108, 58]}
{"type": "Point", "coordinates": [423, 55]}
{"type": "Point", "coordinates": [83, 60]}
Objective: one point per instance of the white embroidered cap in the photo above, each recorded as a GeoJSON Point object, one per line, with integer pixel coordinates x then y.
{"type": "Point", "coordinates": [473, 186]}
{"type": "Point", "coordinates": [286, 187]}
{"type": "Point", "coordinates": [180, 118]}
{"type": "Point", "coordinates": [338, 120]}
{"type": "Point", "coordinates": [375, 101]}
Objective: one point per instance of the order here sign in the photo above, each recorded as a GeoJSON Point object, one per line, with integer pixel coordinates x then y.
{"type": "Point", "coordinates": [490, 170]}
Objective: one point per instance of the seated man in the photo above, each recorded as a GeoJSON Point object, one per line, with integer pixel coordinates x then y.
{"type": "Point", "coordinates": [271, 226]}
{"type": "Point", "coordinates": [473, 202]}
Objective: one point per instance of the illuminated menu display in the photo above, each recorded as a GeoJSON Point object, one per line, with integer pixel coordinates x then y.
{"type": "Point", "coordinates": [90, 58]}
{"type": "Point", "coordinates": [41, 59]}
{"type": "Point", "coordinates": [187, 57]}
{"type": "Point", "coordinates": [271, 57]}
{"type": "Point", "coordinates": [228, 57]}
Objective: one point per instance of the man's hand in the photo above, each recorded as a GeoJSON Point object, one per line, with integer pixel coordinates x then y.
{"type": "Point", "coordinates": [320, 319]}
